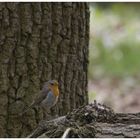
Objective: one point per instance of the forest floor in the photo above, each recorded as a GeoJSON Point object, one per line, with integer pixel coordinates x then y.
{"type": "Point", "coordinates": [121, 95]}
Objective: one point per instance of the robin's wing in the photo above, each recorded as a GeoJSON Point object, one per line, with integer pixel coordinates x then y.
{"type": "Point", "coordinates": [41, 97]}
{"type": "Point", "coordinates": [43, 94]}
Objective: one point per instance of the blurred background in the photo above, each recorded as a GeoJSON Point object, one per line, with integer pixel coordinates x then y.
{"type": "Point", "coordinates": [114, 55]}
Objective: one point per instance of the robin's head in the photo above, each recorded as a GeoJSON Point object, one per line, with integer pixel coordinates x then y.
{"type": "Point", "coordinates": [53, 85]}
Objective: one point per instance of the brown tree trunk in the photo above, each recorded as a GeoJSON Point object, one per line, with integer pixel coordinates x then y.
{"type": "Point", "coordinates": [39, 42]}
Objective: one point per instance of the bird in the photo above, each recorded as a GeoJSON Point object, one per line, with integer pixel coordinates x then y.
{"type": "Point", "coordinates": [47, 98]}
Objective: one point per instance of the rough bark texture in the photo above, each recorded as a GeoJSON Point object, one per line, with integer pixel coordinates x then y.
{"type": "Point", "coordinates": [91, 121]}
{"type": "Point", "coordinates": [39, 42]}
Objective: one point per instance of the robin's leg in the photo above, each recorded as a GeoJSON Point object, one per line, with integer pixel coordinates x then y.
{"type": "Point", "coordinates": [46, 114]}
{"type": "Point", "coordinates": [54, 110]}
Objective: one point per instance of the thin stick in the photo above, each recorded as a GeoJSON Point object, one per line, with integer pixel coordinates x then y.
{"type": "Point", "coordinates": [66, 133]}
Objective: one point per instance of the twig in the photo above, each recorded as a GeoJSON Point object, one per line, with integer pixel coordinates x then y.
{"type": "Point", "coordinates": [66, 133]}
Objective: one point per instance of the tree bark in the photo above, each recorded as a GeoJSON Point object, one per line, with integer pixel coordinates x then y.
{"type": "Point", "coordinates": [39, 42]}
{"type": "Point", "coordinates": [91, 121]}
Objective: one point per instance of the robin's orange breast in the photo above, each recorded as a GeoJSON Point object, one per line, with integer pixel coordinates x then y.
{"type": "Point", "coordinates": [55, 90]}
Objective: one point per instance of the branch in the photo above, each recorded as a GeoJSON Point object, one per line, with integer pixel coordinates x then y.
{"type": "Point", "coordinates": [93, 120]}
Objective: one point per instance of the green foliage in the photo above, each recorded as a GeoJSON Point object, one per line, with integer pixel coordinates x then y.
{"type": "Point", "coordinates": [114, 41]}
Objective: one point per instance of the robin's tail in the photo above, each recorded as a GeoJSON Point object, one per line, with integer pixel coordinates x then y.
{"type": "Point", "coordinates": [26, 109]}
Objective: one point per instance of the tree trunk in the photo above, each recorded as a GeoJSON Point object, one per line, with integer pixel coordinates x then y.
{"type": "Point", "coordinates": [91, 121]}
{"type": "Point", "coordinates": [39, 42]}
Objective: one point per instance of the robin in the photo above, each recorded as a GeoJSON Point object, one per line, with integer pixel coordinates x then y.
{"type": "Point", "coordinates": [47, 98]}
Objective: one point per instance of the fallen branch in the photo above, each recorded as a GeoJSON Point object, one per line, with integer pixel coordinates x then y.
{"type": "Point", "coordinates": [93, 120]}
